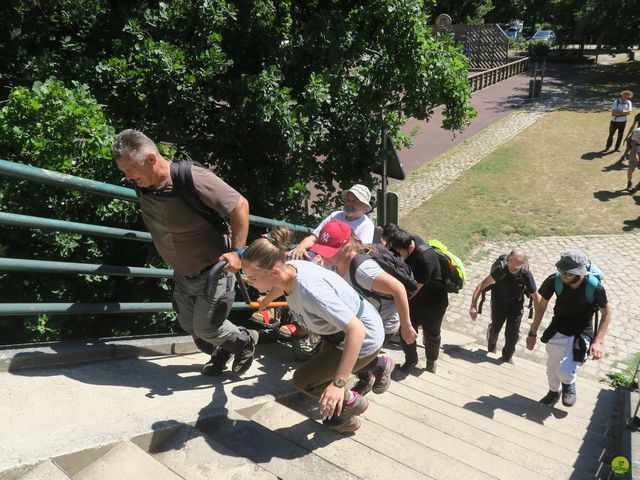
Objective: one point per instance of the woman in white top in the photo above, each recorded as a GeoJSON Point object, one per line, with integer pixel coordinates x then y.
{"type": "Point", "coordinates": [351, 327]}
{"type": "Point", "coordinates": [339, 246]}
{"type": "Point", "coordinates": [620, 111]}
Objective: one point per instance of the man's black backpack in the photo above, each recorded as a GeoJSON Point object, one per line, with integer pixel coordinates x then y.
{"type": "Point", "coordinates": [183, 185]}
{"type": "Point", "coordinates": [391, 263]}
{"type": "Point", "coordinates": [500, 267]}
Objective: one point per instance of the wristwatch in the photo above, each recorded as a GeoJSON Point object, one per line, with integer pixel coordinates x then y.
{"type": "Point", "coordinates": [339, 382]}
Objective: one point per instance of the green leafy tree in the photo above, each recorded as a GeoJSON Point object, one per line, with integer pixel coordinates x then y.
{"type": "Point", "coordinates": [274, 94]}
{"type": "Point", "coordinates": [465, 11]}
{"type": "Point", "coordinates": [64, 130]}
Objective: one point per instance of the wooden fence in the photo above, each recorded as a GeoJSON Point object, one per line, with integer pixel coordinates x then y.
{"type": "Point", "coordinates": [478, 81]}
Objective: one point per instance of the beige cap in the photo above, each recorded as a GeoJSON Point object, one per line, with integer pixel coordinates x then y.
{"type": "Point", "coordinates": [362, 193]}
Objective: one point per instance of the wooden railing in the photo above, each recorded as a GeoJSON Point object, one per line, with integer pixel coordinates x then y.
{"type": "Point", "coordinates": [478, 81]}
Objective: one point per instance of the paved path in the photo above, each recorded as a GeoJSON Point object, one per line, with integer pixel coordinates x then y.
{"type": "Point", "coordinates": [615, 254]}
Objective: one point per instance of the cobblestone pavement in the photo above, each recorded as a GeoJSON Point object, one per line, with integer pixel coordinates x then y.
{"type": "Point", "coordinates": [616, 255]}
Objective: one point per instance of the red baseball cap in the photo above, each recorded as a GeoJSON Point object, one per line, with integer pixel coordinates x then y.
{"type": "Point", "coordinates": [333, 236]}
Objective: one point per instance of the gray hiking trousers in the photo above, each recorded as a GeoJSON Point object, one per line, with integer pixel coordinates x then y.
{"type": "Point", "coordinates": [205, 317]}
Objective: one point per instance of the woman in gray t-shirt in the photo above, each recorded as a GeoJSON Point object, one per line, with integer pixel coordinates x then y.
{"type": "Point", "coordinates": [351, 327]}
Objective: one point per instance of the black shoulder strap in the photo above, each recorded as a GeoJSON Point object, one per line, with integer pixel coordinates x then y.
{"type": "Point", "coordinates": [182, 179]}
{"type": "Point", "coordinates": [356, 261]}
{"type": "Point", "coordinates": [422, 248]}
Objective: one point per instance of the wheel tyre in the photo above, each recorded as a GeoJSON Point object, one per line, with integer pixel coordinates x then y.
{"type": "Point", "coordinates": [305, 347]}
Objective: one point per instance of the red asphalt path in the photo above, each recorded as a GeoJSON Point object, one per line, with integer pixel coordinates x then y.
{"type": "Point", "coordinates": [492, 104]}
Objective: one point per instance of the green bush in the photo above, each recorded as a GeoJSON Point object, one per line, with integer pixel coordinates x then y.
{"type": "Point", "coordinates": [538, 48]}
{"type": "Point", "coordinates": [64, 129]}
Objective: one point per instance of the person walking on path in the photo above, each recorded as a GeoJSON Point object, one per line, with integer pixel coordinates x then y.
{"type": "Point", "coordinates": [428, 306]}
{"type": "Point", "coordinates": [635, 124]}
{"type": "Point", "coordinates": [356, 205]}
{"type": "Point", "coordinates": [339, 247]}
{"type": "Point", "coordinates": [570, 337]}
{"type": "Point", "coordinates": [191, 244]}
{"type": "Point", "coordinates": [620, 111]}
{"type": "Point", "coordinates": [634, 158]}
{"type": "Point", "coordinates": [509, 280]}
{"type": "Point", "coordinates": [351, 328]}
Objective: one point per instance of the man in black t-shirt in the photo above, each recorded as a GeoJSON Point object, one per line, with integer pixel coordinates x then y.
{"type": "Point", "coordinates": [509, 280]}
{"type": "Point", "coordinates": [428, 306]}
{"type": "Point", "coordinates": [570, 336]}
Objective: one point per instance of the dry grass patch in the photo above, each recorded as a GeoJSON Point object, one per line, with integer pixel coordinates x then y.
{"type": "Point", "coordinates": [548, 180]}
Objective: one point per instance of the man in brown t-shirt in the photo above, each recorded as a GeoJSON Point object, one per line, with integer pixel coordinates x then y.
{"type": "Point", "coordinates": [191, 245]}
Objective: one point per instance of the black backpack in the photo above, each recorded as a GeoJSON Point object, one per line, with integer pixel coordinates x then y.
{"type": "Point", "coordinates": [391, 263]}
{"type": "Point", "coordinates": [501, 263]}
{"type": "Point", "coordinates": [183, 185]}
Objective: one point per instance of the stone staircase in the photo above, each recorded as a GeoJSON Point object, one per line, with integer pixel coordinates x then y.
{"type": "Point", "coordinates": [477, 418]}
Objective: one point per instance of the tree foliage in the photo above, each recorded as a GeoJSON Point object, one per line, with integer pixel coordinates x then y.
{"type": "Point", "coordinates": [64, 130]}
{"type": "Point", "coordinates": [612, 23]}
{"type": "Point", "coordinates": [276, 95]}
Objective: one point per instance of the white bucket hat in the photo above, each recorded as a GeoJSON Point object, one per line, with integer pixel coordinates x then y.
{"type": "Point", "coordinates": [362, 193]}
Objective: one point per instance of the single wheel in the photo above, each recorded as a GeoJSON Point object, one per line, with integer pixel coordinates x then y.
{"type": "Point", "coordinates": [306, 347]}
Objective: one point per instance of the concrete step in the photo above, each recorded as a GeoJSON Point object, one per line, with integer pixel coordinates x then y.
{"type": "Point", "coordinates": [524, 370]}
{"type": "Point", "coordinates": [268, 449]}
{"type": "Point", "coordinates": [496, 384]}
{"type": "Point", "coordinates": [487, 440]}
{"type": "Point", "coordinates": [493, 381]}
{"type": "Point", "coordinates": [126, 460]}
{"type": "Point", "coordinates": [46, 470]}
{"type": "Point", "coordinates": [412, 452]}
{"type": "Point", "coordinates": [195, 456]}
{"type": "Point", "coordinates": [529, 420]}
{"type": "Point", "coordinates": [347, 452]}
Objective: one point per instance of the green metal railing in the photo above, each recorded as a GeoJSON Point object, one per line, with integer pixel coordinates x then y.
{"type": "Point", "coordinates": [47, 177]}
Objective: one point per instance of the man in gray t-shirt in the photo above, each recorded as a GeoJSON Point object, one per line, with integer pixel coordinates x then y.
{"type": "Point", "coordinates": [191, 245]}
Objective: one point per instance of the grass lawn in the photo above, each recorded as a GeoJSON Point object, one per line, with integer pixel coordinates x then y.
{"type": "Point", "coordinates": [548, 180]}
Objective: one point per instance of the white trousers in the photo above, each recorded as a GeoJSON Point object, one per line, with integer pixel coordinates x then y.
{"type": "Point", "coordinates": [561, 368]}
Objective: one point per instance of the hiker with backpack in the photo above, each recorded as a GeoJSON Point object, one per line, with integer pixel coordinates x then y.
{"type": "Point", "coordinates": [509, 280]}
{"type": "Point", "coordinates": [620, 111]}
{"type": "Point", "coordinates": [351, 328]}
{"type": "Point", "coordinates": [375, 273]}
{"type": "Point", "coordinates": [570, 337]}
{"type": "Point", "coordinates": [634, 158]}
{"type": "Point", "coordinates": [183, 208]}
{"type": "Point", "coordinates": [428, 306]}
{"type": "Point", "coordinates": [357, 203]}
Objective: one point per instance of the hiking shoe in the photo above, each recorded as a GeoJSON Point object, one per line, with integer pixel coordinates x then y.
{"type": "Point", "coordinates": [383, 375]}
{"type": "Point", "coordinates": [431, 366]}
{"type": "Point", "coordinates": [357, 407]}
{"type": "Point", "coordinates": [569, 394]}
{"type": "Point", "coordinates": [364, 383]}
{"type": "Point", "coordinates": [550, 399]}
{"type": "Point", "coordinates": [492, 348]}
{"type": "Point", "coordinates": [349, 426]}
{"type": "Point", "coordinates": [217, 363]}
{"type": "Point", "coordinates": [508, 360]}
{"type": "Point", "coordinates": [243, 359]}
{"type": "Point", "coordinates": [629, 187]}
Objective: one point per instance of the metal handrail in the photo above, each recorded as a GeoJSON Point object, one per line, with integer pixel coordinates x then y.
{"type": "Point", "coordinates": [70, 182]}
{"type": "Point", "coordinates": [45, 266]}
{"type": "Point", "coordinates": [48, 177]}
{"type": "Point", "coordinates": [42, 223]}
{"type": "Point", "coordinates": [21, 309]}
